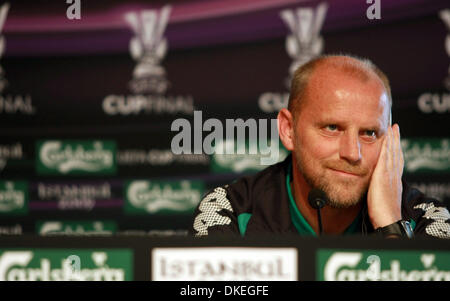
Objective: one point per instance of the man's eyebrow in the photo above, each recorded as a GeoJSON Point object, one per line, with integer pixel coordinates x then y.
{"type": "Point", "coordinates": [371, 128]}
{"type": "Point", "coordinates": [328, 120]}
{"type": "Point", "coordinates": [378, 126]}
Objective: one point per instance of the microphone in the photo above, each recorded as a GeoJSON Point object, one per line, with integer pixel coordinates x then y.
{"type": "Point", "coordinates": [317, 199]}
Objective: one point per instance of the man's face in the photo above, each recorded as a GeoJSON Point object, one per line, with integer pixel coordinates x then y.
{"type": "Point", "coordinates": [338, 134]}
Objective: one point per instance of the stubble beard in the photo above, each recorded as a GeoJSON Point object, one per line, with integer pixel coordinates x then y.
{"type": "Point", "coordinates": [341, 193]}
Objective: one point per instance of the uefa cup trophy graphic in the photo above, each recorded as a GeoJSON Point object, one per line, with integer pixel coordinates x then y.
{"type": "Point", "coordinates": [3, 80]}
{"type": "Point", "coordinates": [445, 16]}
{"type": "Point", "coordinates": [148, 47]}
{"type": "Point", "coordinates": [304, 42]}
{"type": "Point", "coordinates": [3, 13]}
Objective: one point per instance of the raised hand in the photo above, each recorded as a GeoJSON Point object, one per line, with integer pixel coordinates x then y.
{"type": "Point", "coordinates": [385, 190]}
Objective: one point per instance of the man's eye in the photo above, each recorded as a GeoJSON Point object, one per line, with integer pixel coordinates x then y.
{"type": "Point", "coordinates": [370, 133]}
{"type": "Point", "coordinates": [331, 127]}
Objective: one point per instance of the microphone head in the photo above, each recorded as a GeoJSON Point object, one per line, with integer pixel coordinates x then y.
{"type": "Point", "coordinates": [317, 198]}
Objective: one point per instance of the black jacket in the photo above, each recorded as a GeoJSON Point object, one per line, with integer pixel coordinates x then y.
{"type": "Point", "coordinates": [259, 204]}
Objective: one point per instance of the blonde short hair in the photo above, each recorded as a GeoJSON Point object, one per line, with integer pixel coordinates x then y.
{"type": "Point", "coordinates": [360, 68]}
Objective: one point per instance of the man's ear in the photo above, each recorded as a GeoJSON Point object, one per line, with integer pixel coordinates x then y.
{"type": "Point", "coordinates": [286, 129]}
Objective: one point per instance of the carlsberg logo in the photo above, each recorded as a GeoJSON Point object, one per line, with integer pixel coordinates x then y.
{"type": "Point", "coordinates": [426, 155]}
{"type": "Point", "coordinates": [13, 197]}
{"type": "Point", "coordinates": [162, 196]}
{"type": "Point", "coordinates": [65, 265]}
{"type": "Point", "coordinates": [383, 265]}
{"type": "Point", "coordinates": [76, 157]}
{"type": "Point", "coordinates": [76, 227]}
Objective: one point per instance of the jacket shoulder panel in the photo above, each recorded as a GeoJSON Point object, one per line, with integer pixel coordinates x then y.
{"type": "Point", "coordinates": [435, 219]}
{"type": "Point", "coordinates": [214, 211]}
{"type": "Point", "coordinates": [431, 216]}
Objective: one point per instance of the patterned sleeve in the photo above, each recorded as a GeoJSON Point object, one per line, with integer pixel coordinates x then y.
{"type": "Point", "coordinates": [434, 219]}
{"type": "Point", "coordinates": [215, 215]}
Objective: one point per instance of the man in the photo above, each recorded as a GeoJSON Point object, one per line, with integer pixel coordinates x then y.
{"type": "Point", "coordinates": [338, 129]}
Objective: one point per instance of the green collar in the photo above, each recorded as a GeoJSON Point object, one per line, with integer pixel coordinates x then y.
{"type": "Point", "coordinates": [299, 221]}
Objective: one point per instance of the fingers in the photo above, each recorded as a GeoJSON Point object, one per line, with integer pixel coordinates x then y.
{"type": "Point", "coordinates": [400, 159]}
{"type": "Point", "coordinates": [396, 151]}
{"type": "Point", "coordinates": [382, 158]}
{"type": "Point", "coordinates": [391, 154]}
{"type": "Point", "coordinates": [388, 148]}
{"type": "Point", "coordinates": [385, 190]}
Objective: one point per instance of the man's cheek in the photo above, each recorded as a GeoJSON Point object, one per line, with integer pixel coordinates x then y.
{"type": "Point", "coordinates": [373, 154]}
{"type": "Point", "coordinates": [324, 148]}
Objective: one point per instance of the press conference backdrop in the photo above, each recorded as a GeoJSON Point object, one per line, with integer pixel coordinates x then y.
{"type": "Point", "coordinates": [89, 92]}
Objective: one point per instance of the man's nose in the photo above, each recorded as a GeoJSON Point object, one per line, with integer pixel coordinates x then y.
{"type": "Point", "coordinates": [350, 148]}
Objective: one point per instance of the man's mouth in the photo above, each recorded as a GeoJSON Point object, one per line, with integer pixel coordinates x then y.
{"type": "Point", "coordinates": [346, 173]}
